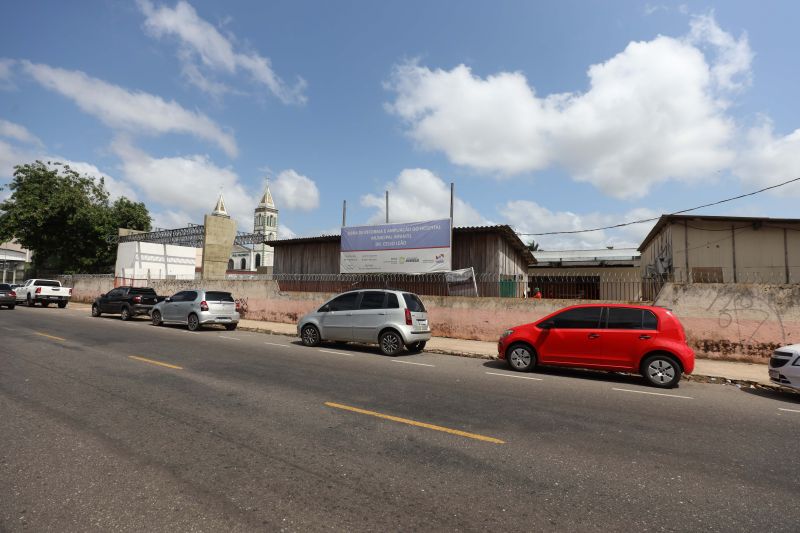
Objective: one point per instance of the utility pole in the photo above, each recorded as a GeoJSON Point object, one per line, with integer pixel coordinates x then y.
{"type": "Point", "coordinates": [452, 199]}
{"type": "Point", "coordinates": [387, 207]}
{"type": "Point", "coordinates": [344, 213]}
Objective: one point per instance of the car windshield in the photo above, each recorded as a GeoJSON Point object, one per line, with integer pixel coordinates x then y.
{"type": "Point", "coordinates": [46, 283]}
{"type": "Point", "coordinates": [215, 296]}
{"type": "Point", "coordinates": [413, 303]}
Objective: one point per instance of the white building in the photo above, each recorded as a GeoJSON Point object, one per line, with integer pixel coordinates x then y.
{"type": "Point", "coordinates": [265, 221]}
{"type": "Point", "coordinates": [13, 261]}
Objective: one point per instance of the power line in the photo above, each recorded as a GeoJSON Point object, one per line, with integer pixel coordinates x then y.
{"type": "Point", "coordinates": [642, 221]}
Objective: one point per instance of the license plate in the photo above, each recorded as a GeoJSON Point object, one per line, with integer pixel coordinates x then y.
{"type": "Point", "coordinates": [224, 319]}
{"type": "Point", "coordinates": [774, 374]}
{"type": "Point", "coordinates": [53, 297]}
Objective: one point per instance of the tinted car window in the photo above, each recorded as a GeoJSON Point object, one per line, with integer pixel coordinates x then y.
{"type": "Point", "coordinates": [391, 301]}
{"type": "Point", "coordinates": [372, 300]}
{"type": "Point", "coordinates": [345, 302]}
{"type": "Point", "coordinates": [46, 283]}
{"type": "Point", "coordinates": [649, 320]}
{"type": "Point", "coordinates": [190, 296]}
{"type": "Point", "coordinates": [5, 287]}
{"type": "Point", "coordinates": [582, 318]}
{"type": "Point", "coordinates": [146, 291]}
{"type": "Point", "coordinates": [216, 296]}
{"type": "Point", "coordinates": [624, 318]}
{"type": "Point", "coordinates": [413, 303]}
{"type": "Point", "coordinates": [114, 294]}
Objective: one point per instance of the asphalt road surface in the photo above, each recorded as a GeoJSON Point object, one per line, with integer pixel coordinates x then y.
{"type": "Point", "coordinates": [123, 426]}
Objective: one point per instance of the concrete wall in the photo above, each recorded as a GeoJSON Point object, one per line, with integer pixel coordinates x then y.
{"type": "Point", "coordinates": [742, 322]}
{"type": "Point", "coordinates": [218, 237]}
{"type": "Point", "coordinates": [148, 260]}
{"type": "Point", "coordinates": [739, 322]}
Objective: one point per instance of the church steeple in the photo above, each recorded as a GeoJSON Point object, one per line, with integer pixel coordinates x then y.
{"type": "Point", "coordinates": [266, 198]}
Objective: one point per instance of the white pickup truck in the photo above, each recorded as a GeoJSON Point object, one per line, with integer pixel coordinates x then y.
{"type": "Point", "coordinates": [45, 292]}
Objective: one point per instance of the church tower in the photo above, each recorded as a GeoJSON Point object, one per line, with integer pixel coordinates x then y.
{"type": "Point", "coordinates": [265, 220]}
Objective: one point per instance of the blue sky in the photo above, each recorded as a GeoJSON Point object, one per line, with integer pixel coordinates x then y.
{"type": "Point", "coordinates": [547, 117]}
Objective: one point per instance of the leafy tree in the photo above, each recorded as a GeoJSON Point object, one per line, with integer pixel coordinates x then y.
{"type": "Point", "coordinates": [65, 218]}
{"type": "Point", "coordinates": [533, 246]}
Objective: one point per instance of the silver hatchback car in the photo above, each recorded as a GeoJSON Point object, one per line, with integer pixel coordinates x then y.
{"type": "Point", "coordinates": [197, 308]}
{"type": "Point", "coordinates": [392, 319]}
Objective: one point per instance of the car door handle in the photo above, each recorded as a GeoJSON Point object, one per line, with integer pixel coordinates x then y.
{"type": "Point", "coordinates": [644, 337]}
{"type": "Point", "coordinates": [382, 314]}
{"type": "Point", "coordinates": [594, 335]}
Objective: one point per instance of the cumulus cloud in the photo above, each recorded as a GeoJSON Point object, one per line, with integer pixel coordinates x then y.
{"type": "Point", "coordinates": [17, 132]}
{"type": "Point", "coordinates": [768, 159]}
{"type": "Point", "coordinates": [529, 217]}
{"type": "Point", "coordinates": [295, 191]}
{"type": "Point", "coordinates": [187, 184]}
{"type": "Point", "coordinates": [654, 112]}
{"type": "Point", "coordinates": [6, 66]}
{"type": "Point", "coordinates": [419, 194]}
{"type": "Point", "coordinates": [204, 48]}
{"type": "Point", "coordinates": [132, 111]}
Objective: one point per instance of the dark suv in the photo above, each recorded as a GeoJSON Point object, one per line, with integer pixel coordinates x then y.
{"type": "Point", "coordinates": [127, 302]}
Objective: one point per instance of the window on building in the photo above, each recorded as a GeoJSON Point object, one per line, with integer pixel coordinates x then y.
{"type": "Point", "coordinates": [230, 264]}
{"type": "Point", "coordinates": [244, 264]}
{"type": "Point", "coordinates": [258, 260]}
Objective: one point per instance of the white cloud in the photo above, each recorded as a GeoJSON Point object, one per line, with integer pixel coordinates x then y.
{"type": "Point", "coordinates": [127, 110]}
{"type": "Point", "coordinates": [6, 66]}
{"type": "Point", "coordinates": [768, 159]}
{"type": "Point", "coordinates": [186, 184]}
{"type": "Point", "coordinates": [284, 232]}
{"type": "Point", "coordinates": [295, 191]}
{"type": "Point", "coordinates": [529, 217]}
{"type": "Point", "coordinates": [652, 113]}
{"type": "Point", "coordinates": [419, 194]}
{"type": "Point", "coordinates": [731, 70]}
{"type": "Point", "coordinates": [17, 132]}
{"type": "Point", "coordinates": [115, 187]}
{"type": "Point", "coordinates": [203, 45]}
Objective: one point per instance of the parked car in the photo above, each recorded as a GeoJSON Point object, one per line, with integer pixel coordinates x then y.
{"type": "Point", "coordinates": [8, 296]}
{"type": "Point", "coordinates": [197, 308]}
{"type": "Point", "coordinates": [784, 366]}
{"type": "Point", "coordinates": [392, 319]}
{"type": "Point", "coordinates": [625, 338]}
{"type": "Point", "coordinates": [45, 292]}
{"type": "Point", "coordinates": [128, 302]}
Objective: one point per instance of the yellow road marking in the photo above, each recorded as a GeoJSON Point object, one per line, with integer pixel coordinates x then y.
{"type": "Point", "coordinates": [159, 363]}
{"type": "Point", "coordinates": [415, 423]}
{"type": "Point", "coordinates": [50, 336]}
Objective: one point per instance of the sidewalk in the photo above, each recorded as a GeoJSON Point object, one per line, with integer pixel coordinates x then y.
{"type": "Point", "coordinates": [704, 370]}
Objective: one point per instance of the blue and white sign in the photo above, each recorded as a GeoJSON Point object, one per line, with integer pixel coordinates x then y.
{"type": "Point", "coordinates": [411, 248]}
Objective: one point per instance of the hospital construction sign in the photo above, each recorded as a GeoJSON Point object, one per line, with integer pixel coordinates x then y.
{"type": "Point", "coordinates": [411, 248]}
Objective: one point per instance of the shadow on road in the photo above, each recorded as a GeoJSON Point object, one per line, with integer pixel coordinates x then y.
{"type": "Point", "coordinates": [784, 396]}
{"type": "Point", "coordinates": [578, 373]}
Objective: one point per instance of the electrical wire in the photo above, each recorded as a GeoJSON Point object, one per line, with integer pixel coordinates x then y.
{"type": "Point", "coordinates": [642, 221]}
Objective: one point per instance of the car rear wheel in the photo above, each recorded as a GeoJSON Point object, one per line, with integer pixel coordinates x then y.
{"type": "Point", "coordinates": [194, 322]}
{"type": "Point", "coordinates": [521, 357]}
{"type": "Point", "coordinates": [231, 327]}
{"type": "Point", "coordinates": [96, 311]}
{"type": "Point", "coordinates": [156, 318]}
{"type": "Point", "coordinates": [416, 347]}
{"type": "Point", "coordinates": [661, 370]}
{"type": "Point", "coordinates": [12, 306]}
{"type": "Point", "coordinates": [45, 304]}
{"type": "Point", "coordinates": [391, 342]}
{"type": "Point", "coordinates": [310, 335]}
{"type": "Point", "coordinates": [62, 305]}
{"type": "Point", "coordinates": [126, 313]}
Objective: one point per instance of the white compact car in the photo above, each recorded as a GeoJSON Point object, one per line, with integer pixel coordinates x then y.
{"type": "Point", "coordinates": [784, 366]}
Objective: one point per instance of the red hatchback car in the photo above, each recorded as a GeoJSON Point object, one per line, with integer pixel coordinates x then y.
{"type": "Point", "coordinates": [625, 338]}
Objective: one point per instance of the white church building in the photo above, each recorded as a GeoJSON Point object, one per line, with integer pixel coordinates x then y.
{"type": "Point", "coordinates": [260, 256]}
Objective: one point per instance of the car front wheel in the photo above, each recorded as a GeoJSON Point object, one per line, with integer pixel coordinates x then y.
{"type": "Point", "coordinates": [521, 357]}
{"type": "Point", "coordinates": [661, 371]}
{"type": "Point", "coordinates": [310, 335]}
{"type": "Point", "coordinates": [156, 318]}
{"type": "Point", "coordinates": [95, 311]}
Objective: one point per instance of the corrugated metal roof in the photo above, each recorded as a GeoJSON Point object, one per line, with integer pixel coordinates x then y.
{"type": "Point", "coordinates": [604, 254]}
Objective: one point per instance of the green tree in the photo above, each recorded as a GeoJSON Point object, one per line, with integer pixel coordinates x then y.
{"type": "Point", "coordinates": [533, 246]}
{"type": "Point", "coordinates": [65, 218]}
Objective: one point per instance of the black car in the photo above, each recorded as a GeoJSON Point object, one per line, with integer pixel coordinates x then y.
{"type": "Point", "coordinates": [7, 296]}
{"type": "Point", "coordinates": [127, 302]}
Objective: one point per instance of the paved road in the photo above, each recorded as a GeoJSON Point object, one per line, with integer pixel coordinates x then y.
{"type": "Point", "coordinates": [245, 431]}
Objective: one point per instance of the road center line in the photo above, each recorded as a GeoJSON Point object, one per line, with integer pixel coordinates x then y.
{"type": "Point", "coordinates": [789, 410]}
{"type": "Point", "coordinates": [336, 353]}
{"type": "Point", "coordinates": [276, 344]}
{"type": "Point", "coordinates": [159, 363]}
{"type": "Point", "coordinates": [513, 376]}
{"type": "Point", "coordinates": [231, 338]}
{"type": "Point", "coordinates": [411, 363]}
{"type": "Point", "coordinates": [415, 423]}
{"type": "Point", "coordinates": [654, 393]}
{"type": "Point", "coordinates": [50, 336]}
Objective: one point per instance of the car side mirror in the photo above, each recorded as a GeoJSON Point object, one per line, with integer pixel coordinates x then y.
{"type": "Point", "coordinates": [168, 299]}
{"type": "Point", "coordinates": [102, 295]}
{"type": "Point", "coordinates": [547, 325]}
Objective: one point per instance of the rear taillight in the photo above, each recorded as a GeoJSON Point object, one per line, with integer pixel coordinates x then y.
{"type": "Point", "coordinates": [238, 306]}
{"type": "Point", "coordinates": [13, 293]}
{"type": "Point", "coordinates": [204, 305]}
{"type": "Point", "coordinates": [70, 292]}
{"type": "Point", "coordinates": [408, 317]}
{"type": "Point", "coordinates": [38, 290]}
{"type": "Point", "coordinates": [137, 299]}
